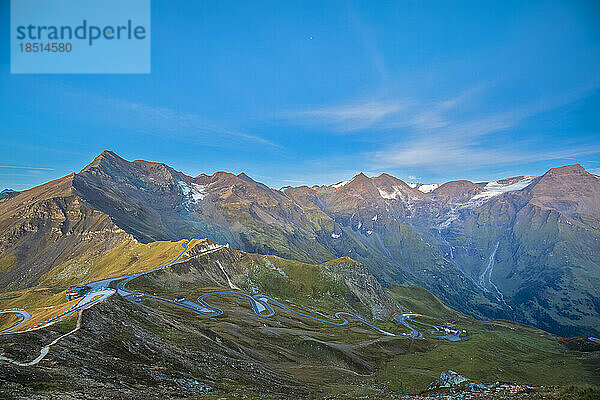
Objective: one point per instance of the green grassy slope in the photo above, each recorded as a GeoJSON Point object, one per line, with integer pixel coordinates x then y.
{"type": "Point", "coordinates": [358, 360]}
{"type": "Point", "coordinates": [496, 350]}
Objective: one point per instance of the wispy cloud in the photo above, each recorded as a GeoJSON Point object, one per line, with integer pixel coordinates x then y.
{"type": "Point", "coordinates": [28, 168]}
{"type": "Point", "coordinates": [463, 142]}
{"type": "Point", "coordinates": [177, 121]}
{"type": "Point", "coordinates": [161, 121]}
{"type": "Point", "coordinates": [383, 114]}
{"type": "Point", "coordinates": [451, 155]}
{"type": "Point", "coordinates": [349, 117]}
{"type": "Point", "coordinates": [368, 41]}
{"type": "Point", "coordinates": [446, 132]}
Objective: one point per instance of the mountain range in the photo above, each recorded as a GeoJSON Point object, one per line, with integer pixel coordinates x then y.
{"type": "Point", "coordinates": [524, 248]}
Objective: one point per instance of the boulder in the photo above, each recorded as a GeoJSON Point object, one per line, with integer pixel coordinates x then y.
{"type": "Point", "coordinates": [448, 379]}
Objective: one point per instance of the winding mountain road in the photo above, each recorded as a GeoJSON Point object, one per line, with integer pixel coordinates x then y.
{"type": "Point", "coordinates": [99, 291]}
{"type": "Point", "coordinates": [24, 315]}
{"type": "Point", "coordinates": [442, 332]}
{"type": "Point", "coordinates": [402, 318]}
{"type": "Point", "coordinates": [44, 351]}
{"type": "Point", "coordinates": [261, 304]}
{"type": "Point", "coordinates": [86, 301]}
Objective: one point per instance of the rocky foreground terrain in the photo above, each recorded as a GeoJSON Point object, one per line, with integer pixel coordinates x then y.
{"type": "Point", "coordinates": [132, 350]}
{"type": "Point", "coordinates": [135, 348]}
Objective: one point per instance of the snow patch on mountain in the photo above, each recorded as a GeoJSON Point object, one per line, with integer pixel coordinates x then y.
{"type": "Point", "coordinates": [491, 190]}
{"type": "Point", "coordinates": [185, 189]}
{"type": "Point", "coordinates": [336, 236]}
{"type": "Point", "coordinates": [340, 184]}
{"type": "Point", "coordinates": [428, 188]}
{"type": "Point", "coordinates": [496, 188]}
{"type": "Point", "coordinates": [194, 193]}
{"type": "Point", "coordinates": [396, 192]}
{"type": "Point", "coordinates": [198, 192]}
{"type": "Point", "coordinates": [425, 188]}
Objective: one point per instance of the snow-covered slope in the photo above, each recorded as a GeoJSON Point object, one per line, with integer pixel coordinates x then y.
{"type": "Point", "coordinates": [340, 184]}
{"type": "Point", "coordinates": [428, 188]}
{"type": "Point", "coordinates": [425, 188]}
{"type": "Point", "coordinates": [505, 185]}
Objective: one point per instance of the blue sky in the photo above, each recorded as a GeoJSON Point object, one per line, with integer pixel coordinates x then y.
{"type": "Point", "coordinates": [313, 92]}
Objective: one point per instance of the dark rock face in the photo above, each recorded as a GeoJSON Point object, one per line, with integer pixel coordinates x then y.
{"type": "Point", "coordinates": [120, 350]}
{"type": "Point", "coordinates": [46, 226]}
{"type": "Point", "coordinates": [453, 386]}
{"type": "Point", "coordinates": [582, 343]}
{"type": "Point", "coordinates": [448, 379]}
{"type": "Point", "coordinates": [364, 287]}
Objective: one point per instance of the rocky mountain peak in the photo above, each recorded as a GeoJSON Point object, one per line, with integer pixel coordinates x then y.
{"type": "Point", "coordinates": [106, 158]}
{"type": "Point", "coordinates": [245, 177]}
{"type": "Point", "coordinates": [568, 189]}
{"type": "Point", "coordinates": [457, 191]}
{"type": "Point", "coordinates": [360, 177]}
{"type": "Point", "coordinates": [108, 154]}
{"type": "Point", "coordinates": [220, 178]}
{"type": "Point", "coordinates": [573, 169]}
{"type": "Point", "coordinates": [223, 175]}
{"type": "Point", "coordinates": [361, 185]}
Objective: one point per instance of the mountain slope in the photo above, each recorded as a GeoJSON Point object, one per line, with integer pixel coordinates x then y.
{"type": "Point", "coordinates": [154, 202]}
{"type": "Point", "coordinates": [524, 248]}
{"type": "Point", "coordinates": [46, 226]}
{"type": "Point", "coordinates": [151, 201]}
{"type": "Point", "coordinates": [537, 249]}
{"type": "Point", "coordinates": [374, 218]}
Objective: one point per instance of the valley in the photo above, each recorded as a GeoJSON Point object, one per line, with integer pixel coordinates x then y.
{"type": "Point", "coordinates": [362, 355]}
{"type": "Point", "coordinates": [378, 284]}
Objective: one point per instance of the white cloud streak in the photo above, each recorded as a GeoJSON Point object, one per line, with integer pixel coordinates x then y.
{"type": "Point", "coordinates": [350, 117]}
{"type": "Point", "coordinates": [445, 155]}
{"type": "Point", "coordinates": [437, 135]}
{"type": "Point", "coordinates": [174, 121]}
{"type": "Point", "coordinates": [28, 168]}
{"type": "Point", "coordinates": [162, 121]}
{"type": "Point", "coordinates": [381, 114]}
{"type": "Point", "coordinates": [368, 42]}
{"type": "Point", "coordinates": [462, 143]}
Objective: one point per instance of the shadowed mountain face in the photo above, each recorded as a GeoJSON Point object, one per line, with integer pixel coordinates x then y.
{"type": "Point", "coordinates": [536, 249]}
{"type": "Point", "coordinates": [46, 226]}
{"type": "Point", "coordinates": [152, 201]}
{"type": "Point", "coordinates": [525, 248]}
